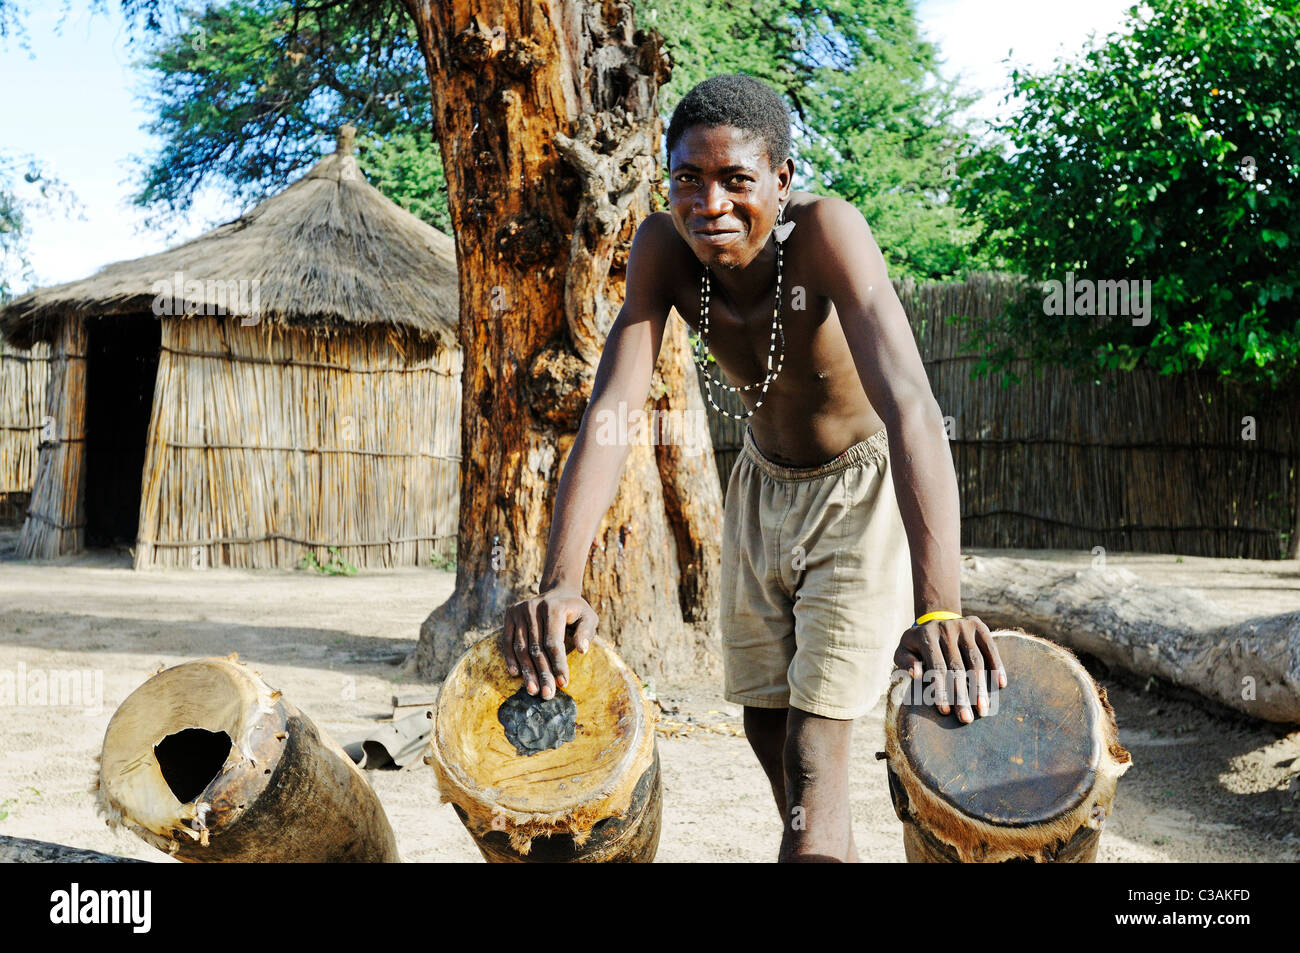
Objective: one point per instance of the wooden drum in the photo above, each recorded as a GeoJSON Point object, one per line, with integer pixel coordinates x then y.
{"type": "Point", "coordinates": [574, 779]}
{"type": "Point", "coordinates": [209, 763]}
{"type": "Point", "coordinates": [1034, 780]}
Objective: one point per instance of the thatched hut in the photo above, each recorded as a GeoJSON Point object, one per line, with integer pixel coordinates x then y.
{"type": "Point", "coordinates": [286, 383]}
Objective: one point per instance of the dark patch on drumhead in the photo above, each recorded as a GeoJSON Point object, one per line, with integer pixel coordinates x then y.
{"type": "Point", "coordinates": [533, 724]}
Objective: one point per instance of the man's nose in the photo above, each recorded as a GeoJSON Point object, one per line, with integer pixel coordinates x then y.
{"type": "Point", "coordinates": [711, 200]}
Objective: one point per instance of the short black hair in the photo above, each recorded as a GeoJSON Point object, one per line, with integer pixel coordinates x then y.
{"type": "Point", "coordinates": [734, 99]}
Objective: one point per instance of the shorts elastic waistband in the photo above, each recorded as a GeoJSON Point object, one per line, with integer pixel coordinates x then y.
{"type": "Point", "coordinates": [874, 448]}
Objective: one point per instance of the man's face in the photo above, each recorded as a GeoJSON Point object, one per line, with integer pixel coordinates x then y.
{"type": "Point", "coordinates": [723, 193]}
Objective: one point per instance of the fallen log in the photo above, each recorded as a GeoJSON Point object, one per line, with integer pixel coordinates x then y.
{"type": "Point", "coordinates": [20, 850]}
{"type": "Point", "coordinates": [207, 762]}
{"type": "Point", "coordinates": [1173, 634]}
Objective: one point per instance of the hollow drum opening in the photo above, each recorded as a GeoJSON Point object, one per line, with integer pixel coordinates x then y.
{"type": "Point", "coordinates": [190, 759]}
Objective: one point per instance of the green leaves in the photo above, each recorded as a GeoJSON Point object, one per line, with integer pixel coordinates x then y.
{"type": "Point", "coordinates": [1167, 153]}
{"type": "Point", "coordinates": [336, 565]}
{"type": "Point", "coordinates": [1280, 239]}
{"type": "Point", "coordinates": [245, 94]}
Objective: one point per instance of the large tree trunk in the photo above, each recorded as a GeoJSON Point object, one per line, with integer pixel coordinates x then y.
{"type": "Point", "coordinates": [547, 118]}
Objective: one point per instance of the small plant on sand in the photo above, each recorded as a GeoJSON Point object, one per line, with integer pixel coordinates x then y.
{"type": "Point", "coordinates": [334, 566]}
{"type": "Point", "coordinates": [447, 563]}
{"type": "Point", "coordinates": [8, 805]}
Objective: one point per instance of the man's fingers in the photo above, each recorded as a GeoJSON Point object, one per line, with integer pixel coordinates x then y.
{"type": "Point", "coordinates": [974, 664]}
{"type": "Point", "coordinates": [586, 629]}
{"type": "Point", "coordinates": [508, 648]}
{"type": "Point", "coordinates": [935, 663]}
{"type": "Point", "coordinates": [545, 680]}
{"type": "Point", "coordinates": [961, 657]}
{"type": "Point", "coordinates": [957, 672]}
{"type": "Point", "coordinates": [556, 624]}
{"type": "Point", "coordinates": [533, 640]}
{"type": "Point", "coordinates": [908, 659]}
{"type": "Point", "coordinates": [524, 659]}
{"type": "Point", "coordinates": [988, 645]}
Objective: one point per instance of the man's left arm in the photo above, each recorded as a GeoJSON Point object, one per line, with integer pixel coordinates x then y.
{"type": "Point", "coordinates": [850, 270]}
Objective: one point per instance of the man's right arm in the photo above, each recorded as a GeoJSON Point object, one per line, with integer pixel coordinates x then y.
{"type": "Point", "coordinates": [534, 632]}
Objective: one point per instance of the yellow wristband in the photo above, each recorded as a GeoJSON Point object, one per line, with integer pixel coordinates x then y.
{"type": "Point", "coordinates": [942, 615]}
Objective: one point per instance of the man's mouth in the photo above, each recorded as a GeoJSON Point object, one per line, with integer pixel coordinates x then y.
{"type": "Point", "coordinates": [715, 236]}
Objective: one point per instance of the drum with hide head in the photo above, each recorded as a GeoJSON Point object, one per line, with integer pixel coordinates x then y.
{"type": "Point", "coordinates": [1033, 780]}
{"type": "Point", "coordinates": [571, 779]}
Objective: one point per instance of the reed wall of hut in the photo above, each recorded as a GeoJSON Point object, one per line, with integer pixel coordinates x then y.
{"type": "Point", "coordinates": [55, 523]}
{"type": "Point", "coordinates": [24, 374]}
{"type": "Point", "coordinates": [267, 443]}
{"type": "Point", "coordinates": [1136, 462]}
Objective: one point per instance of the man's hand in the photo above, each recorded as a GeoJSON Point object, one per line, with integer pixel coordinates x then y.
{"type": "Point", "coordinates": [533, 641]}
{"type": "Point", "coordinates": [951, 649]}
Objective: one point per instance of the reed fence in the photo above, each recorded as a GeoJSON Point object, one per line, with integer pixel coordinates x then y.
{"type": "Point", "coordinates": [1137, 461]}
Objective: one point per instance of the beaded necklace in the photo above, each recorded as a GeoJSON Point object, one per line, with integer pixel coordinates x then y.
{"type": "Point", "coordinates": [781, 232]}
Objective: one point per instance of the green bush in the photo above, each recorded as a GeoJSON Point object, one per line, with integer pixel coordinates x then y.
{"type": "Point", "coordinates": [1168, 153]}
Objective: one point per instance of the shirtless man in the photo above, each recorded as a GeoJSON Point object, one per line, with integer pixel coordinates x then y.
{"type": "Point", "coordinates": [845, 496]}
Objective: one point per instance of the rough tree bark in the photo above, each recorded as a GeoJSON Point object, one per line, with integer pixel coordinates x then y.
{"type": "Point", "coordinates": [547, 118]}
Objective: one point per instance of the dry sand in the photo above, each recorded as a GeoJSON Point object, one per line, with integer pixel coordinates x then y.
{"type": "Point", "coordinates": [1206, 785]}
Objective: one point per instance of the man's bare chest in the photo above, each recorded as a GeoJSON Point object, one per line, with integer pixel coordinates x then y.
{"type": "Point", "coordinates": [742, 338]}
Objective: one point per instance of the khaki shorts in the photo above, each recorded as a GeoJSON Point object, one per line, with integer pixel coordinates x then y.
{"type": "Point", "coordinates": [816, 581]}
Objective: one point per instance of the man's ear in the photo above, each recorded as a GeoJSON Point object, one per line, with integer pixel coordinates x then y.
{"type": "Point", "coordinates": [785, 176]}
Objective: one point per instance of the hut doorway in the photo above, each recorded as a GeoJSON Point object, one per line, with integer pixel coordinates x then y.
{"type": "Point", "coordinates": [121, 367]}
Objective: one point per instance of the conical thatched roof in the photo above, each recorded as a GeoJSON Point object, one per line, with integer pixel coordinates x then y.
{"type": "Point", "coordinates": [328, 251]}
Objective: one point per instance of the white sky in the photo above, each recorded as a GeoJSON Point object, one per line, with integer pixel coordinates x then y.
{"type": "Point", "coordinates": [71, 103]}
{"type": "Point", "coordinates": [976, 38]}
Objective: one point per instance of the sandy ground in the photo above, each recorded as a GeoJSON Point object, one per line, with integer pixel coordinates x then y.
{"type": "Point", "coordinates": [1206, 785]}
